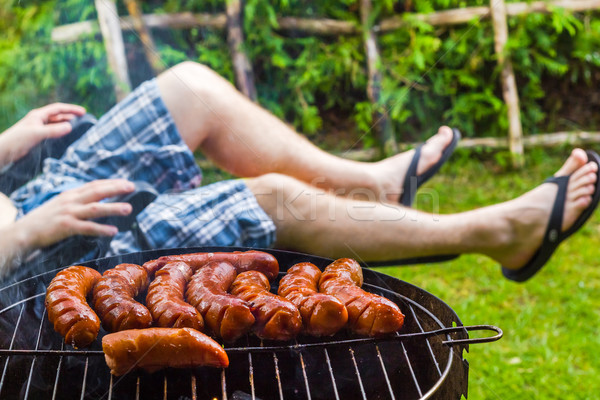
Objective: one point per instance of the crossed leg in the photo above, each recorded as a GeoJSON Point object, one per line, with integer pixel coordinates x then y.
{"type": "Point", "coordinates": [247, 141]}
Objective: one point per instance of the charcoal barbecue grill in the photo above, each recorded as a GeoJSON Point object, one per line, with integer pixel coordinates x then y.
{"type": "Point", "coordinates": [422, 361]}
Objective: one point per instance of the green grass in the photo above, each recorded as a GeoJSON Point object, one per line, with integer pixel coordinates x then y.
{"type": "Point", "coordinates": [551, 345]}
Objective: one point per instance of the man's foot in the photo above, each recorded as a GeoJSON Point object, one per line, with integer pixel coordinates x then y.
{"type": "Point", "coordinates": [391, 172]}
{"type": "Point", "coordinates": [529, 214]}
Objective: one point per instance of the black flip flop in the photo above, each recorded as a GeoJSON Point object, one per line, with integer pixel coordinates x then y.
{"type": "Point", "coordinates": [554, 235]}
{"type": "Point", "coordinates": [412, 181]}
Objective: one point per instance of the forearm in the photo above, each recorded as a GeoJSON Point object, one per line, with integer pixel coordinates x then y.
{"type": "Point", "coordinates": [6, 154]}
{"type": "Point", "coordinates": [15, 244]}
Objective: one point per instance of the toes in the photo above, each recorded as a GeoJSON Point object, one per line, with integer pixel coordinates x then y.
{"type": "Point", "coordinates": [581, 192]}
{"type": "Point", "coordinates": [576, 160]}
{"type": "Point", "coordinates": [433, 149]}
{"type": "Point", "coordinates": [584, 176]}
{"type": "Point", "coordinates": [583, 202]}
{"type": "Point", "coordinates": [589, 168]}
{"type": "Point", "coordinates": [445, 130]}
{"type": "Point", "coordinates": [442, 137]}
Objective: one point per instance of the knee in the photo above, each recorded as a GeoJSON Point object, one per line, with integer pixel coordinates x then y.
{"type": "Point", "coordinates": [197, 77]}
{"type": "Point", "coordinates": [190, 68]}
{"type": "Point", "coordinates": [273, 182]}
{"type": "Point", "coordinates": [269, 189]}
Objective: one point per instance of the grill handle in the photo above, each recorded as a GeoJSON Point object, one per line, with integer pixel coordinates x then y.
{"type": "Point", "coordinates": [265, 349]}
{"type": "Point", "coordinates": [470, 328]}
{"type": "Point", "coordinates": [398, 337]}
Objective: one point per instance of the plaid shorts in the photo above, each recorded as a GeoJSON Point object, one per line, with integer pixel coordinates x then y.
{"type": "Point", "coordinates": [137, 140]}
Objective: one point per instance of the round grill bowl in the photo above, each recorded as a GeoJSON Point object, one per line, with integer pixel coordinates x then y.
{"type": "Point", "coordinates": [423, 361]}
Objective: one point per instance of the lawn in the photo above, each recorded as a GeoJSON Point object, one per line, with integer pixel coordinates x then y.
{"type": "Point", "coordinates": [550, 346]}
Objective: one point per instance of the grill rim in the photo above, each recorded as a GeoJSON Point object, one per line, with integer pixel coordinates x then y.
{"type": "Point", "coordinates": [370, 275]}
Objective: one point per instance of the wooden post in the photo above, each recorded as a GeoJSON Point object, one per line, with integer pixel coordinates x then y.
{"type": "Point", "coordinates": [244, 76]}
{"type": "Point", "coordinates": [115, 48]}
{"type": "Point", "coordinates": [382, 122]}
{"type": "Point", "coordinates": [145, 36]}
{"type": "Point", "coordinates": [509, 85]}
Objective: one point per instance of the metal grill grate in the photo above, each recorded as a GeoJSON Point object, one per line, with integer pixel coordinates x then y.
{"type": "Point", "coordinates": [423, 361]}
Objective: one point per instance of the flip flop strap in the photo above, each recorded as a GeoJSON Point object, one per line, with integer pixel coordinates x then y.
{"type": "Point", "coordinates": [411, 180]}
{"type": "Point", "coordinates": [554, 229]}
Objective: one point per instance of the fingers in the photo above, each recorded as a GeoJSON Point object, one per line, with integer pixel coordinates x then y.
{"type": "Point", "coordinates": [61, 118]}
{"type": "Point", "coordinates": [91, 228]}
{"type": "Point", "coordinates": [99, 210]}
{"type": "Point", "coordinates": [55, 109]}
{"type": "Point", "coordinates": [81, 205]}
{"type": "Point", "coordinates": [55, 130]}
{"type": "Point", "coordinates": [54, 119]}
{"type": "Point", "coordinates": [102, 189]}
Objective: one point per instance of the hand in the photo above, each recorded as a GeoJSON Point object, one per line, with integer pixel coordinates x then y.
{"type": "Point", "coordinates": [47, 122]}
{"type": "Point", "coordinates": [70, 212]}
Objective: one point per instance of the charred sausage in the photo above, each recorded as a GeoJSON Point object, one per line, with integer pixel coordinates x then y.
{"type": "Point", "coordinates": [165, 298]}
{"type": "Point", "coordinates": [114, 298]}
{"type": "Point", "coordinates": [322, 314]}
{"type": "Point", "coordinates": [227, 316]}
{"type": "Point", "coordinates": [368, 313]}
{"type": "Point", "coordinates": [156, 348]}
{"type": "Point", "coordinates": [276, 318]}
{"type": "Point", "coordinates": [242, 261]}
{"type": "Point", "coordinates": [67, 307]}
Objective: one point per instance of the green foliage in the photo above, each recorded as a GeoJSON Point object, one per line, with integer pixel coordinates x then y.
{"type": "Point", "coordinates": [430, 75]}
{"type": "Point", "coordinates": [34, 71]}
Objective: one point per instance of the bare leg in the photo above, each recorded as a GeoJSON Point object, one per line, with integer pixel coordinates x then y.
{"type": "Point", "coordinates": [314, 221]}
{"type": "Point", "coordinates": [248, 141]}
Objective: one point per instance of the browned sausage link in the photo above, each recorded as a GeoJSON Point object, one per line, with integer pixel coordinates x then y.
{"type": "Point", "coordinates": [227, 316]}
{"type": "Point", "coordinates": [156, 348]}
{"type": "Point", "coordinates": [368, 313]}
{"type": "Point", "coordinates": [242, 261]}
{"type": "Point", "coordinates": [67, 307]}
{"type": "Point", "coordinates": [322, 314]}
{"type": "Point", "coordinates": [114, 298]}
{"type": "Point", "coordinates": [276, 318]}
{"type": "Point", "coordinates": [165, 298]}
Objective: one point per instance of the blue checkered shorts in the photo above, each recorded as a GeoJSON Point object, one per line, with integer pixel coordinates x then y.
{"type": "Point", "coordinates": [137, 140]}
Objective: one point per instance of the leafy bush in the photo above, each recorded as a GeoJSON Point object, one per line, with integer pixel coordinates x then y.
{"type": "Point", "coordinates": [431, 75]}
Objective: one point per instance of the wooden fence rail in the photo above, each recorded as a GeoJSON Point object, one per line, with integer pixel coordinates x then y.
{"type": "Point", "coordinates": [110, 25]}
{"type": "Point", "coordinates": [321, 26]}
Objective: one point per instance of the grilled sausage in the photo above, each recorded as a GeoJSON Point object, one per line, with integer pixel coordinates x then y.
{"type": "Point", "coordinates": [156, 348]}
{"type": "Point", "coordinates": [242, 261]}
{"type": "Point", "coordinates": [368, 313]}
{"type": "Point", "coordinates": [227, 316]}
{"type": "Point", "coordinates": [276, 318]}
{"type": "Point", "coordinates": [67, 307]}
{"type": "Point", "coordinates": [322, 314]}
{"type": "Point", "coordinates": [165, 298]}
{"type": "Point", "coordinates": [114, 298]}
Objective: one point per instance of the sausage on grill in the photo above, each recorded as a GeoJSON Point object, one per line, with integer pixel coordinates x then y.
{"type": "Point", "coordinates": [368, 313]}
{"type": "Point", "coordinates": [227, 316]}
{"type": "Point", "coordinates": [322, 314]}
{"type": "Point", "coordinates": [165, 298]}
{"type": "Point", "coordinates": [156, 348]}
{"type": "Point", "coordinates": [242, 261]}
{"type": "Point", "coordinates": [67, 307]}
{"type": "Point", "coordinates": [114, 298]}
{"type": "Point", "coordinates": [276, 318]}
